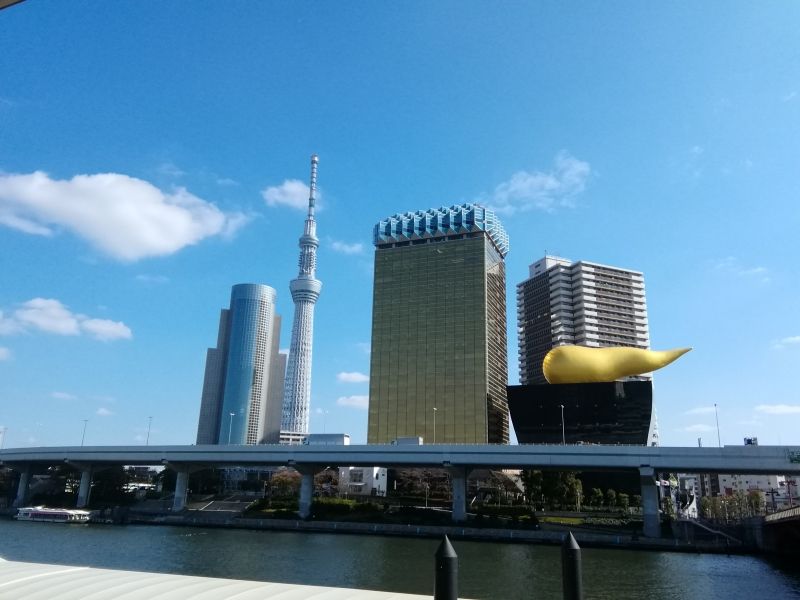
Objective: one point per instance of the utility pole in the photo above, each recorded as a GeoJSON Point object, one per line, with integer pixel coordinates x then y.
{"type": "Point", "coordinates": [149, 424]}
{"type": "Point", "coordinates": [83, 436]}
{"type": "Point", "coordinates": [563, 430]}
{"type": "Point", "coordinates": [434, 424]}
{"type": "Point", "coordinates": [716, 416]}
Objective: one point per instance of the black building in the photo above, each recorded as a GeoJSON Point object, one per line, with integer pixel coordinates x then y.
{"type": "Point", "coordinates": [616, 412]}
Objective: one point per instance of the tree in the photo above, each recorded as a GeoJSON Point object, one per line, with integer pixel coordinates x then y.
{"type": "Point", "coordinates": [623, 501]}
{"type": "Point", "coordinates": [532, 484]}
{"type": "Point", "coordinates": [611, 498]}
{"type": "Point", "coordinates": [636, 501]}
{"type": "Point", "coordinates": [596, 497]}
{"type": "Point", "coordinates": [756, 502]}
{"type": "Point", "coordinates": [285, 483]}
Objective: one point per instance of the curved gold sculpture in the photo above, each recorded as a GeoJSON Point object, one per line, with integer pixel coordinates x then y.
{"type": "Point", "coordinates": [579, 364]}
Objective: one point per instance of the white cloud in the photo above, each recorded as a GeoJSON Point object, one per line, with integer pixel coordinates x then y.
{"type": "Point", "coordinates": [732, 265]}
{"type": "Point", "coordinates": [48, 315]}
{"type": "Point", "coordinates": [779, 409]}
{"type": "Point", "coordinates": [542, 190]}
{"type": "Point", "coordinates": [787, 341]}
{"type": "Point", "coordinates": [106, 330]}
{"type": "Point", "coordinates": [789, 97]}
{"type": "Point", "coordinates": [123, 217]}
{"type": "Point", "coordinates": [344, 248]}
{"type": "Point", "coordinates": [699, 428]}
{"type": "Point", "coordinates": [360, 402]}
{"type": "Point", "coordinates": [63, 396]}
{"type": "Point", "coordinates": [170, 170]}
{"type": "Point", "coordinates": [226, 181]}
{"type": "Point", "coordinates": [51, 316]}
{"type": "Point", "coordinates": [103, 412]}
{"type": "Point", "coordinates": [353, 377]}
{"type": "Point", "coordinates": [292, 193]}
{"type": "Point", "coordinates": [8, 326]}
{"type": "Point", "coordinates": [152, 278]}
{"type": "Point", "coordinates": [700, 410]}
{"type": "Point", "coordinates": [5, 353]}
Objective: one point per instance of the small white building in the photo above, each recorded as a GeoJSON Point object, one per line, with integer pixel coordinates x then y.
{"type": "Point", "coordinates": [362, 481]}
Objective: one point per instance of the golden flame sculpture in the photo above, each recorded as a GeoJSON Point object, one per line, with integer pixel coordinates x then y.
{"type": "Point", "coordinates": [579, 364]}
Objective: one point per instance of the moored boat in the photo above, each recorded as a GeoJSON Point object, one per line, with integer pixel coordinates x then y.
{"type": "Point", "coordinates": [53, 515]}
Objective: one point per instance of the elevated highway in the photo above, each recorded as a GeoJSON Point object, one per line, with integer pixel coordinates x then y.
{"type": "Point", "coordinates": [458, 459]}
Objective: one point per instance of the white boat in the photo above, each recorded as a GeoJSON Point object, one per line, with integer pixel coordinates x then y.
{"type": "Point", "coordinates": [53, 515]}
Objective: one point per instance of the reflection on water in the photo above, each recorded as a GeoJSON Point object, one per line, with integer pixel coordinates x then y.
{"type": "Point", "coordinates": [486, 570]}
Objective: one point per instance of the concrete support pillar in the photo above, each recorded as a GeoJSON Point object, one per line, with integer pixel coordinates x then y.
{"type": "Point", "coordinates": [181, 485]}
{"type": "Point", "coordinates": [22, 488]}
{"type": "Point", "coordinates": [85, 489]}
{"type": "Point", "coordinates": [306, 492]}
{"type": "Point", "coordinates": [652, 521]}
{"type": "Point", "coordinates": [458, 479]}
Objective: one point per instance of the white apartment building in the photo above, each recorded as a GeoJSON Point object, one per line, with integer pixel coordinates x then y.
{"type": "Point", "coordinates": [583, 303]}
{"type": "Point", "coordinates": [362, 481]}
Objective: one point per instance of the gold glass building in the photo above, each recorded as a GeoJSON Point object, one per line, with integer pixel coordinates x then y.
{"type": "Point", "coordinates": [439, 366]}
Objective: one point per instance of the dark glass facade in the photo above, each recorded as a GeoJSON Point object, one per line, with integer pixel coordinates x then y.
{"type": "Point", "coordinates": [617, 412]}
{"type": "Point", "coordinates": [439, 341]}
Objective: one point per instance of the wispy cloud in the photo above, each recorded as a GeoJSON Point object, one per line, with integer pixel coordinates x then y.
{"type": "Point", "coordinates": [732, 265]}
{"type": "Point", "coordinates": [63, 396]}
{"type": "Point", "coordinates": [779, 409]}
{"type": "Point", "coordinates": [103, 412]}
{"type": "Point", "coordinates": [344, 248]}
{"type": "Point", "coordinates": [227, 182]}
{"type": "Point", "coordinates": [792, 340]}
{"type": "Point", "coordinates": [353, 377]}
{"type": "Point", "coordinates": [5, 354]}
{"type": "Point", "coordinates": [700, 410]}
{"type": "Point", "coordinates": [170, 170]}
{"type": "Point", "coordinates": [51, 316]}
{"type": "Point", "coordinates": [360, 402]}
{"type": "Point", "coordinates": [698, 428]}
{"type": "Point", "coordinates": [121, 216]}
{"type": "Point", "coordinates": [152, 278]}
{"type": "Point", "coordinates": [696, 150]}
{"type": "Point", "coordinates": [789, 97]}
{"type": "Point", "coordinates": [541, 190]}
{"type": "Point", "coordinates": [292, 193]}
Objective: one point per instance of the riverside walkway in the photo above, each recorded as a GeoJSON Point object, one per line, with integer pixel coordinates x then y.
{"type": "Point", "coordinates": [34, 581]}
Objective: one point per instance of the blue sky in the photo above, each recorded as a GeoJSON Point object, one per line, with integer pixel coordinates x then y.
{"type": "Point", "coordinates": [150, 152]}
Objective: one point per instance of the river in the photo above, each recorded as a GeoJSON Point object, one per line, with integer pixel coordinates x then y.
{"type": "Point", "coordinates": [488, 570]}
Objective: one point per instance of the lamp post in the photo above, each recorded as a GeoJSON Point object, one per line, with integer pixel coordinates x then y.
{"type": "Point", "coordinates": [83, 435]}
{"type": "Point", "coordinates": [230, 427]}
{"type": "Point", "coordinates": [563, 430]}
{"type": "Point", "coordinates": [716, 416]}
{"type": "Point", "coordinates": [149, 423]}
{"type": "Point", "coordinates": [3, 439]}
{"type": "Point", "coordinates": [434, 424]}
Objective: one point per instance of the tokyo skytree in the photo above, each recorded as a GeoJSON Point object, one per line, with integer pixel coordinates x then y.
{"type": "Point", "coordinates": [305, 291]}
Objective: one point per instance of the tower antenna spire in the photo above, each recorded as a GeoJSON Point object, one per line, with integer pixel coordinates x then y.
{"type": "Point", "coordinates": [312, 194]}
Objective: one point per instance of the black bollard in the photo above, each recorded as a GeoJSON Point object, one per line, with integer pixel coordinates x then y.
{"type": "Point", "coordinates": [445, 586]}
{"type": "Point", "coordinates": [571, 576]}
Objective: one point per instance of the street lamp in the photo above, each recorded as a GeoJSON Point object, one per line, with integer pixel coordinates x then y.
{"type": "Point", "coordinates": [3, 439]}
{"type": "Point", "coordinates": [434, 424]}
{"type": "Point", "coordinates": [563, 431]}
{"type": "Point", "coordinates": [83, 435]}
{"type": "Point", "coordinates": [716, 416]}
{"type": "Point", "coordinates": [230, 427]}
{"type": "Point", "coordinates": [149, 423]}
